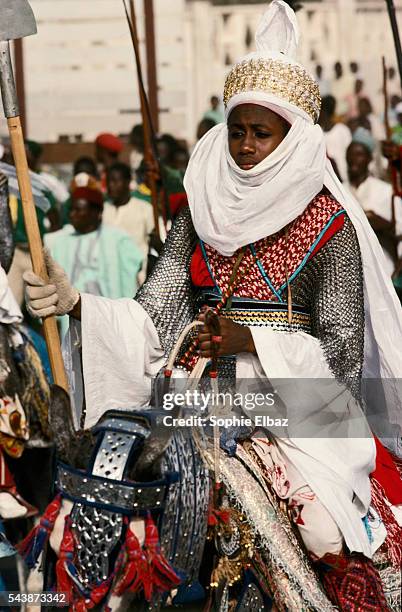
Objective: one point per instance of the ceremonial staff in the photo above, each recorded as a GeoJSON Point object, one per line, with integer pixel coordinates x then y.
{"type": "Point", "coordinates": [396, 190]}
{"type": "Point", "coordinates": [149, 153]}
{"type": "Point", "coordinates": [394, 172]}
{"type": "Point", "coordinates": [17, 21]}
{"type": "Point", "coordinates": [395, 33]}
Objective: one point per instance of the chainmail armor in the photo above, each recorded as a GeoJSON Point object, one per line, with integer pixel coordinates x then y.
{"type": "Point", "coordinates": [331, 287]}
{"type": "Point", "coordinates": [167, 296]}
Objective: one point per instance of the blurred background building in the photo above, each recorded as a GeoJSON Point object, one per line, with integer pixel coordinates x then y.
{"type": "Point", "coordinates": [79, 70]}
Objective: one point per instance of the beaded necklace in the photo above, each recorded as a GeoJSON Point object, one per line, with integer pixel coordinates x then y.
{"type": "Point", "coordinates": [238, 273]}
{"type": "Point", "coordinates": [240, 269]}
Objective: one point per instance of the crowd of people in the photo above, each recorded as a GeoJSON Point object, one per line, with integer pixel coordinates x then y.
{"type": "Point", "coordinates": [361, 150]}
{"type": "Point", "coordinates": [266, 223]}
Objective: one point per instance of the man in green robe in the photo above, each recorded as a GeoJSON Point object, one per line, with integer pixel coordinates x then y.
{"type": "Point", "coordinates": [99, 259]}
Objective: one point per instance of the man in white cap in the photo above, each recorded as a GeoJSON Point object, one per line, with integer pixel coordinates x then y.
{"type": "Point", "coordinates": [373, 194]}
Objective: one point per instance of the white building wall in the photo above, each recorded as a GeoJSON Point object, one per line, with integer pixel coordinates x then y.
{"type": "Point", "coordinates": [80, 72]}
{"type": "Point", "coordinates": [173, 64]}
{"type": "Point", "coordinates": [79, 69]}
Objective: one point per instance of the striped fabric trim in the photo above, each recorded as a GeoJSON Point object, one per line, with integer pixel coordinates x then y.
{"type": "Point", "coordinates": [247, 311]}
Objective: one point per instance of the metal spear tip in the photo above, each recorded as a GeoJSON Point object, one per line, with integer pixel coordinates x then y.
{"type": "Point", "coordinates": [16, 19]}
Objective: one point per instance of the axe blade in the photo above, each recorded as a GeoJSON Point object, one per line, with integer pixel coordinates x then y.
{"type": "Point", "coordinates": [16, 19]}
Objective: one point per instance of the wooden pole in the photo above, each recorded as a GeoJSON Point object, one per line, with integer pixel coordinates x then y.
{"type": "Point", "coordinates": [20, 81]}
{"type": "Point", "coordinates": [395, 33]}
{"type": "Point", "coordinates": [151, 62]}
{"type": "Point", "coordinates": [146, 115]}
{"type": "Point", "coordinates": [385, 93]}
{"type": "Point", "coordinates": [132, 11]}
{"type": "Point", "coordinates": [35, 246]}
{"type": "Point", "coordinates": [393, 171]}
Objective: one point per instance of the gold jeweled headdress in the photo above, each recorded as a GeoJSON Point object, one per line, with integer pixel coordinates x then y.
{"type": "Point", "coordinates": [289, 82]}
{"type": "Point", "coordinates": [273, 69]}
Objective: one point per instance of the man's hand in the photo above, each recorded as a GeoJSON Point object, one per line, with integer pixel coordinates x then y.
{"type": "Point", "coordinates": [57, 297]}
{"type": "Point", "coordinates": [152, 173]}
{"type": "Point", "coordinates": [235, 338]}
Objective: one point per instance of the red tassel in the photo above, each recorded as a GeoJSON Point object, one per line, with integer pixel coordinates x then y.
{"type": "Point", "coordinates": [33, 544]}
{"type": "Point", "coordinates": [66, 571]}
{"type": "Point", "coordinates": [393, 540]}
{"type": "Point", "coordinates": [65, 560]}
{"type": "Point", "coordinates": [97, 594]}
{"type": "Point", "coordinates": [136, 575]}
{"type": "Point", "coordinates": [218, 516]}
{"type": "Point", "coordinates": [164, 578]}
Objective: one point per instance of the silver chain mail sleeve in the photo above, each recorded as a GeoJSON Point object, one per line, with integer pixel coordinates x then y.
{"type": "Point", "coordinates": [167, 296]}
{"type": "Point", "coordinates": [332, 283]}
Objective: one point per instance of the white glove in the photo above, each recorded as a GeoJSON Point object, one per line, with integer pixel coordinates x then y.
{"type": "Point", "coordinates": [56, 298]}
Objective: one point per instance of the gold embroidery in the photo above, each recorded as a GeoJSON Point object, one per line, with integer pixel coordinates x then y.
{"type": "Point", "coordinates": [289, 82]}
{"type": "Point", "coordinates": [269, 317]}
